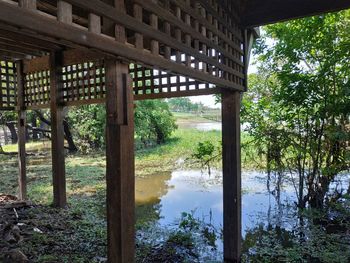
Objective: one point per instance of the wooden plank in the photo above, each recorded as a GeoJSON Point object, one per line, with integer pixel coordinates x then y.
{"type": "Point", "coordinates": [131, 23]}
{"type": "Point", "coordinates": [50, 27]}
{"type": "Point", "coordinates": [64, 12]}
{"type": "Point", "coordinates": [94, 23]}
{"type": "Point", "coordinates": [57, 133]}
{"type": "Point", "coordinates": [139, 16]}
{"type": "Point", "coordinates": [23, 39]}
{"type": "Point", "coordinates": [200, 19]}
{"type": "Point", "coordinates": [20, 50]}
{"type": "Point", "coordinates": [28, 4]}
{"type": "Point", "coordinates": [120, 164]}
{"type": "Point", "coordinates": [120, 34]}
{"type": "Point", "coordinates": [256, 12]}
{"type": "Point", "coordinates": [231, 157]}
{"type": "Point", "coordinates": [70, 57]}
{"type": "Point", "coordinates": [184, 93]}
{"type": "Point", "coordinates": [167, 16]}
{"type": "Point", "coordinates": [21, 130]}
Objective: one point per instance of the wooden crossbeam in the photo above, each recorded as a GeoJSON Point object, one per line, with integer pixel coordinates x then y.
{"type": "Point", "coordinates": [257, 12]}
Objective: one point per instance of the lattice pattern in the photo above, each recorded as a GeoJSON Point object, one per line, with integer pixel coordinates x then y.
{"type": "Point", "coordinates": [7, 85]}
{"type": "Point", "coordinates": [37, 89]}
{"type": "Point", "coordinates": [198, 39]}
{"type": "Point", "coordinates": [201, 35]}
{"type": "Point", "coordinates": [84, 82]}
{"type": "Point", "coordinates": [148, 83]}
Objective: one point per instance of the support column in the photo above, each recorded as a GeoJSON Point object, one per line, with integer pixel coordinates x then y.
{"type": "Point", "coordinates": [21, 130]}
{"type": "Point", "coordinates": [57, 132]}
{"type": "Point", "coordinates": [231, 101]}
{"type": "Point", "coordinates": [120, 163]}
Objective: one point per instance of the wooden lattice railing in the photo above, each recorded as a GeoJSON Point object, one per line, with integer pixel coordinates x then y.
{"type": "Point", "coordinates": [7, 85]}
{"type": "Point", "coordinates": [195, 38]}
{"type": "Point", "coordinates": [174, 47]}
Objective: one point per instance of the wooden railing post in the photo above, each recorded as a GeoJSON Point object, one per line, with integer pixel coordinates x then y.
{"type": "Point", "coordinates": [28, 4]}
{"type": "Point", "coordinates": [120, 163]}
{"type": "Point", "coordinates": [231, 101]}
{"type": "Point", "coordinates": [57, 132]}
{"type": "Point", "coordinates": [22, 179]}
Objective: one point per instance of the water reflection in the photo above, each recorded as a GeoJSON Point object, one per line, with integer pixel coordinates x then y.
{"type": "Point", "coordinates": [171, 193]}
{"type": "Point", "coordinates": [201, 126]}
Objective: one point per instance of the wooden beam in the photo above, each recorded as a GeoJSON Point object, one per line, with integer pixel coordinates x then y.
{"type": "Point", "coordinates": [57, 133]}
{"type": "Point", "coordinates": [120, 163]}
{"type": "Point", "coordinates": [22, 178]}
{"type": "Point", "coordinates": [46, 26]}
{"type": "Point", "coordinates": [258, 12]}
{"type": "Point", "coordinates": [70, 57]}
{"type": "Point", "coordinates": [94, 23]}
{"type": "Point", "coordinates": [176, 94]}
{"type": "Point", "coordinates": [231, 154]}
{"type": "Point", "coordinates": [64, 12]}
{"type": "Point", "coordinates": [5, 55]}
{"type": "Point", "coordinates": [23, 39]}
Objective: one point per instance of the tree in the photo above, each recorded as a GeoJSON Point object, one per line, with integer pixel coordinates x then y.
{"type": "Point", "coordinates": [153, 123]}
{"type": "Point", "coordinates": [299, 103]}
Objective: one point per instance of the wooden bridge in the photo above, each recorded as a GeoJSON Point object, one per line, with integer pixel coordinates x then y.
{"type": "Point", "coordinates": [55, 54]}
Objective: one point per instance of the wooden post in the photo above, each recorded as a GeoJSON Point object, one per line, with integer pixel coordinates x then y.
{"type": "Point", "coordinates": [22, 179]}
{"type": "Point", "coordinates": [57, 132]}
{"type": "Point", "coordinates": [64, 12]}
{"type": "Point", "coordinates": [231, 101]}
{"type": "Point", "coordinates": [28, 4]}
{"type": "Point", "coordinates": [120, 163]}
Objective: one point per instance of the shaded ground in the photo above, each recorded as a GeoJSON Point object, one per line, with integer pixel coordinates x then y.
{"type": "Point", "coordinates": [41, 233]}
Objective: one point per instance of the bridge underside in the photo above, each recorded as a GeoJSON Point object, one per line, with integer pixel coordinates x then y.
{"type": "Point", "coordinates": [56, 54]}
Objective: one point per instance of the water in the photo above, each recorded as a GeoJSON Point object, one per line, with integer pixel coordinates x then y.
{"type": "Point", "coordinates": [201, 125]}
{"type": "Point", "coordinates": [193, 191]}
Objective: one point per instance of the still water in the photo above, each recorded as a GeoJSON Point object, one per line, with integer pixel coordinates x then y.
{"type": "Point", "coordinates": [193, 191]}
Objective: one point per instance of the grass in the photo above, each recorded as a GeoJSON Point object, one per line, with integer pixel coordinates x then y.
{"type": "Point", "coordinates": [85, 224]}
{"type": "Point", "coordinates": [85, 219]}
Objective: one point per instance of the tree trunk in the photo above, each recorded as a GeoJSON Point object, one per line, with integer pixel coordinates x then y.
{"type": "Point", "coordinates": [68, 135]}
{"type": "Point", "coordinates": [12, 128]}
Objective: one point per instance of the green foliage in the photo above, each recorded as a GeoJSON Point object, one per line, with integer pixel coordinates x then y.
{"type": "Point", "coordinates": [298, 104]}
{"type": "Point", "coordinates": [206, 153]}
{"type": "Point", "coordinates": [154, 122]}
{"type": "Point", "coordinates": [310, 244]}
{"type": "Point", "coordinates": [89, 126]}
{"type": "Point", "coordinates": [184, 105]}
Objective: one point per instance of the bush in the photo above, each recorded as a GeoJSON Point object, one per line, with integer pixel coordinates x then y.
{"type": "Point", "coordinates": [154, 123]}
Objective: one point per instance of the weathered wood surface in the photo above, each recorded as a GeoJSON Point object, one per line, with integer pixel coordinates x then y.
{"type": "Point", "coordinates": [120, 164]}
{"type": "Point", "coordinates": [231, 154]}
{"type": "Point", "coordinates": [21, 130]}
{"type": "Point", "coordinates": [57, 132]}
{"type": "Point", "coordinates": [69, 34]}
{"type": "Point", "coordinates": [256, 12]}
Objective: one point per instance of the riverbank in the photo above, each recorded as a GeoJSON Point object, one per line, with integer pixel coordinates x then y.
{"type": "Point", "coordinates": [178, 209]}
{"type": "Point", "coordinates": [85, 218]}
